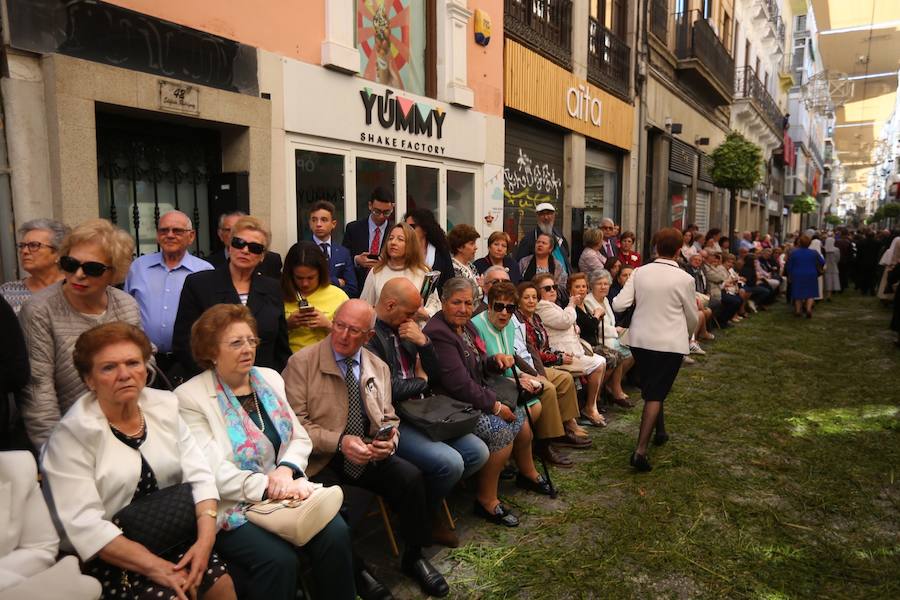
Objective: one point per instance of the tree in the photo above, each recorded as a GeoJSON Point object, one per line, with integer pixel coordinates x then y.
{"type": "Point", "coordinates": [804, 204]}
{"type": "Point", "coordinates": [737, 165]}
{"type": "Point", "coordinates": [833, 220]}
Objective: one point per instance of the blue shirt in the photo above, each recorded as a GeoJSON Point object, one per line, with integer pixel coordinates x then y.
{"type": "Point", "coordinates": [339, 359]}
{"type": "Point", "coordinates": [157, 290]}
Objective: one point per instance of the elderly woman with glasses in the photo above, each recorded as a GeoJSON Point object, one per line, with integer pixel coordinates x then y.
{"type": "Point", "coordinates": [466, 364]}
{"type": "Point", "coordinates": [94, 257]}
{"type": "Point", "coordinates": [563, 336]}
{"type": "Point", "coordinates": [239, 282]}
{"type": "Point", "coordinates": [257, 450]}
{"type": "Point", "coordinates": [598, 327]}
{"type": "Point", "coordinates": [39, 243]}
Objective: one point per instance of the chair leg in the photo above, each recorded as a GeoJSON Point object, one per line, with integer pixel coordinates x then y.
{"type": "Point", "coordinates": [387, 526]}
{"type": "Point", "coordinates": [449, 516]}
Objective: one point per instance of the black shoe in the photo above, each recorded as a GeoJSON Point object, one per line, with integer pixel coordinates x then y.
{"type": "Point", "coordinates": [429, 579]}
{"type": "Point", "coordinates": [640, 462]}
{"type": "Point", "coordinates": [369, 588]}
{"type": "Point", "coordinates": [508, 473]}
{"type": "Point", "coordinates": [500, 516]}
{"type": "Point", "coordinates": [659, 440]}
{"type": "Point", "coordinates": [541, 486]}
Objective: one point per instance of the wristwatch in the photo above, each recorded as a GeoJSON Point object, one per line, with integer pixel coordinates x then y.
{"type": "Point", "coordinates": [209, 513]}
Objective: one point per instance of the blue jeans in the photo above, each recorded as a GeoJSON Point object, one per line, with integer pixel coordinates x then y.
{"type": "Point", "coordinates": [442, 463]}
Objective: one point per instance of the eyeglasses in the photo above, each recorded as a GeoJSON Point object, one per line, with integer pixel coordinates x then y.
{"type": "Point", "coordinates": [33, 246]}
{"type": "Point", "coordinates": [253, 247]}
{"type": "Point", "coordinates": [548, 288]}
{"type": "Point", "coordinates": [341, 327]}
{"type": "Point", "coordinates": [500, 307]}
{"type": "Point", "coordinates": [382, 213]}
{"type": "Point", "coordinates": [238, 343]}
{"type": "Point", "coordinates": [89, 268]}
{"type": "Point", "coordinates": [179, 231]}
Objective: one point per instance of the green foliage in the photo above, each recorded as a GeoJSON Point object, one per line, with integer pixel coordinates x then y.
{"type": "Point", "coordinates": [878, 215]}
{"type": "Point", "coordinates": [737, 163]}
{"type": "Point", "coordinates": [833, 220]}
{"type": "Point", "coordinates": [804, 204]}
{"type": "Point", "coordinates": [891, 210]}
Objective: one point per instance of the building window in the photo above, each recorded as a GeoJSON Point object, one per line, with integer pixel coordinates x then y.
{"type": "Point", "coordinates": [391, 37]}
{"type": "Point", "coordinates": [320, 176]}
{"type": "Point", "coordinates": [599, 196]}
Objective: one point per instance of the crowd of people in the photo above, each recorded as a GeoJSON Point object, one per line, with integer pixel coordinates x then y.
{"type": "Point", "coordinates": [219, 392]}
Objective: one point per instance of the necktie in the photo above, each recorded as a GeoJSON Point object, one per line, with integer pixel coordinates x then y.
{"type": "Point", "coordinates": [376, 242]}
{"type": "Point", "coordinates": [404, 361]}
{"type": "Point", "coordinates": [324, 246]}
{"type": "Point", "coordinates": [356, 419]}
{"type": "Point", "coordinates": [609, 251]}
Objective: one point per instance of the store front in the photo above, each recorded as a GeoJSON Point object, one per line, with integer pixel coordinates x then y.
{"type": "Point", "coordinates": [682, 160]}
{"type": "Point", "coordinates": [352, 135]}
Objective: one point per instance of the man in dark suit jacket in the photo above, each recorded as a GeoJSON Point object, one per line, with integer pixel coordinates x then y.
{"type": "Point", "coordinates": [340, 263]}
{"type": "Point", "coordinates": [271, 264]}
{"type": "Point", "coordinates": [366, 237]}
{"type": "Point", "coordinates": [546, 215]}
{"type": "Point", "coordinates": [610, 246]}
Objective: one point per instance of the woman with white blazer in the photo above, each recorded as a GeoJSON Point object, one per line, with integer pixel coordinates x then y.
{"type": "Point", "coordinates": [258, 450]}
{"type": "Point", "coordinates": [563, 334]}
{"type": "Point", "coordinates": [28, 542]}
{"type": "Point", "coordinates": [123, 446]}
{"type": "Point", "coordinates": [665, 314]}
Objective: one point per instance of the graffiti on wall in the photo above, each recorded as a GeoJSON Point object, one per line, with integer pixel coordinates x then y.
{"type": "Point", "coordinates": [524, 187]}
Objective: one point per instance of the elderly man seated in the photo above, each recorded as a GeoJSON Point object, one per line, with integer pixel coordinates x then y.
{"type": "Point", "coordinates": [341, 393]}
{"type": "Point", "coordinates": [414, 366]}
{"type": "Point", "coordinates": [492, 275]}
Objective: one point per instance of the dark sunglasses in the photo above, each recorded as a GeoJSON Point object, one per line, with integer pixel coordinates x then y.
{"type": "Point", "coordinates": [253, 247]}
{"type": "Point", "coordinates": [548, 288]}
{"type": "Point", "coordinates": [500, 307]}
{"type": "Point", "coordinates": [89, 268]}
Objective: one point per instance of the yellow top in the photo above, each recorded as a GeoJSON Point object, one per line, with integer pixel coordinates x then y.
{"type": "Point", "coordinates": [325, 299]}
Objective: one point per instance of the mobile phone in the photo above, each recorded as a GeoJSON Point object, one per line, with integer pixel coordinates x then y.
{"type": "Point", "coordinates": [384, 433]}
{"type": "Point", "coordinates": [302, 302]}
{"type": "Point", "coordinates": [372, 256]}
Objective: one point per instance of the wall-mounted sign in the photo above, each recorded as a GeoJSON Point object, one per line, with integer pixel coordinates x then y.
{"type": "Point", "coordinates": [178, 97]}
{"type": "Point", "coordinates": [331, 105]}
{"type": "Point", "coordinates": [580, 104]}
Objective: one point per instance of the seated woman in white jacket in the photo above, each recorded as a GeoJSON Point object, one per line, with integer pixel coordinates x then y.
{"type": "Point", "coordinates": [28, 542]}
{"type": "Point", "coordinates": [563, 333]}
{"type": "Point", "coordinates": [258, 450]}
{"type": "Point", "coordinates": [120, 446]}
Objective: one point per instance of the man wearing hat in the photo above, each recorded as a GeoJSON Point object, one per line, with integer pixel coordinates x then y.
{"type": "Point", "coordinates": [546, 215]}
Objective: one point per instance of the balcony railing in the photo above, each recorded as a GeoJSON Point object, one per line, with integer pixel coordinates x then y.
{"type": "Point", "coordinates": [659, 19]}
{"type": "Point", "coordinates": [748, 85]}
{"type": "Point", "coordinates": [695, 39]}
{"type": "Point", "coordinates": [609, 58]}
{"type": "Point", "coordinates": [543, 25]}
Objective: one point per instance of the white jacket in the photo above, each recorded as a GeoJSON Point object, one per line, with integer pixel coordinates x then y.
{"type": "Point", "coordinates": [200, 409]}
{"type": "Point", "coordinates": [665, 311]}
{"type": "Point", "coordinates": [560, 326]}
{"type": "Point", "coordinates": [91, 474]}
{"type": "Point", "coordinates": [28, 540]}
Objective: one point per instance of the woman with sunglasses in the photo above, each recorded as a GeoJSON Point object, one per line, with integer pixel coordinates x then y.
{"type": "Point", "coordinates": [401, 256]}
{"type": "Point", "coordinates": [39, 242]}
{"type": "Point", "coordinates": [563, 336]}
{"type": "Point", "coordinates": [94, 257]}
{"type": "Point", "coordinates": [240, 281]}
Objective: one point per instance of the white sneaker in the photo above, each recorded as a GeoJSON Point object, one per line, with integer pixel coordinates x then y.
{"type": "Point", "coordinates": [687, 360]}
{"type": "Point", "coordinates": [696, 349]}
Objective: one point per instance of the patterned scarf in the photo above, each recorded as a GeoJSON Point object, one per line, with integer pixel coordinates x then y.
{"type": "Point", "coordinates": [249, 445]}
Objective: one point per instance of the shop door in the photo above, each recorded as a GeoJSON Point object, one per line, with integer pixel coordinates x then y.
{"type": "Point", "coordinates": [701, 210]}
{"type": "Point", "coordinates": [533, 173]}
{"type": "Point", "coordinates": [147, 168]}
{"type": "Point", "coordinates": [320, 176]}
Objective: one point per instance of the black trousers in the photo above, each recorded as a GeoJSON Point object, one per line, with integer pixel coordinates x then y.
{"type": "Point", "coordinates": [401, 485]}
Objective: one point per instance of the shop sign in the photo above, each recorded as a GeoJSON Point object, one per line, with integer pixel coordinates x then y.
{"type": "Point", "coordinates": [580, 104]}
{"type": "Point", "coordinates": [177, 97]}
{"type": "Point", "coordinates": [331, 105]}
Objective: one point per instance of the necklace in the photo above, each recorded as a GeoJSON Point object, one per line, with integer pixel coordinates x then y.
{"type": "Point", "coordinates": [262, 422]}
{"type": "Point", "coordinates": [140, 430]}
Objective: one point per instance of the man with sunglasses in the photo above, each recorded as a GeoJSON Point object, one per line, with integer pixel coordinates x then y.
{"type": "Point", "coordinates": [155, 280]}
{"type": "Point", "coordinates": [492, 275]}
{"type": "Point", "coordinates": [271, 264]}
{"type": "Point", "coordinates": [364, 238]}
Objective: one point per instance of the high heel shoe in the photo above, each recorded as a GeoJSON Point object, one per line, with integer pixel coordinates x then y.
{"type": "Point", "coordinates": [640, 462]}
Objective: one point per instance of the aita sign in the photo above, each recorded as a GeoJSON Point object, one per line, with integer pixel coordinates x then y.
{"type": "Point", "coordinates": [580, 105]}
{"type": "Point", "coordinates": [401, 117]}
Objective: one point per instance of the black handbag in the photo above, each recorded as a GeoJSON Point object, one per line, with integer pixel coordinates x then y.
{"type": "Point", "coordinates": [439, 417]}
{"type": "Point", "coordinates": [162, 521]}
{"type": "Point", "coordinates": [508, 392]}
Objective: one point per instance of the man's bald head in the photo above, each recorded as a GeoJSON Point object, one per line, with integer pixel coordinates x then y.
{"type": "Point", "coordinates": [398, 302]}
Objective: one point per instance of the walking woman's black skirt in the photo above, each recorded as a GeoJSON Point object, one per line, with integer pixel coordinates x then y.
{"type": "Point", "coordinates": [657, 371]}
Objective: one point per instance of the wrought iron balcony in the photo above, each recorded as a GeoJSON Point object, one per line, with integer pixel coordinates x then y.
{"type": "Point", "coordinates": [609, 59]}
{"type": "Point", "coordinates": [748, 86]}
{"type": "Point", "coordinates": [543, 25]}
{"type": "Point", "coordinates": [702, 58]}
{"type": "Point", "coordinates": [659, 19]}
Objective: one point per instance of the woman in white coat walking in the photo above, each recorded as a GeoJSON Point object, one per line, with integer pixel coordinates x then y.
{"type": "Point", "coordinates": [665, 314]}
